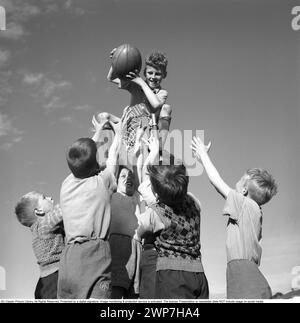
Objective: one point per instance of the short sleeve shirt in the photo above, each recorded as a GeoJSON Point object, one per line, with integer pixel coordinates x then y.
{"type": "Point", "coordinates": [244, 229]}
{"type": "Point", "coordinates": [85, 206]}
{"type": "Point", "coordinates": [151, 222]}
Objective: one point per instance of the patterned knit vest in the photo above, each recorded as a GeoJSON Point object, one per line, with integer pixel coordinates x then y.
{"type": "Point", "coordinates": [181, 239]}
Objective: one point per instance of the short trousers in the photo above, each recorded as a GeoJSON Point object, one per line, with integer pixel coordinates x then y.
{"type": "Point", "coordinates": [85, 270]}
{"type": "Point", "coordinates": [245, 281]}
{"type": "Point", "coordinates": [148, 272]}
{"type": "Point", "coordinates": [125, 265]}
{"type": "Point", "coordinates": [46, 287]}
{"type": "Point", "coordinates": [179, 284]}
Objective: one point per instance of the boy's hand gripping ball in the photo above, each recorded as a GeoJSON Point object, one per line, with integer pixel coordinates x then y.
{"type": "Point", "coordinates": [126, 59]}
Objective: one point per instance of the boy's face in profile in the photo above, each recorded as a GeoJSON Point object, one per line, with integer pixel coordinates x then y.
{"type": "Point", "coordinates": [126, 182]}
{"type": "Point", "coordinates": [242, 185]}
{"type": "Point", "coordinates": [45, 204]}
{"type": "Point", "coordinates": [153, 76]}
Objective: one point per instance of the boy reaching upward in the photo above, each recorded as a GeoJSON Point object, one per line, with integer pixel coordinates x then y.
{"type": "Point", "coordinates": [175, 219]}
{"type": "Point", "coordinates": [38, 212]}
{"type": "Point", "coordinates": [244, 229]}
{"type": "Point", "coordinates": [85, 201]}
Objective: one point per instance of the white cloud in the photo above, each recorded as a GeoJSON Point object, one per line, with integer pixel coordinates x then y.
{"type": "Point", "coordinates": [73, 9]}
{"type": "Point", "coordinates": [55, 103]}
{"type": "Point", "coordinates": [20, 12]}
{"type": "Point", "coordinates": [67, 119]}
{"type": "Point", "coordinates": [5, 125]}
{"type": "Point", "coordinates": [31, 78]}
{"type": "Point", "coordinates": [50, 87]}
{"type": "Point", "coordinates": [4, 57]}
{"type": "Point", "coordinates": [49, 92]}
{"type": "Point", "coordinates": [14, 31]}
{"type": "Point", "coordinates": [68, 4]}
{"type": "Point", "coordinates": [5, 88]}
{"type": "Point", "coordinates": [85, 107]}
{"type": "Point", "coordinates": [6, 146]}
{"type": "Point", "coordinates": [9, 135]}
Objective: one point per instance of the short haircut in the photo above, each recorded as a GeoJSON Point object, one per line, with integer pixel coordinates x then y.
{"type": "Point", "coordinates": [82, 158]}
{"type": "Point", "coordinates": [120, 169]}
{"type": "Point", "coordinates": [25, 208]}
{"type": "Point", "coordinates": [157, 60]}
{"type": "Point", "coordinates": [261, 185]}
{"type": "Point", "coordinates": [169, 182]}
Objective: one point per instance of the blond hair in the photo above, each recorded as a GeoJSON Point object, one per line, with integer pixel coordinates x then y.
{"type": "Point", "coordinates": [261, 185]}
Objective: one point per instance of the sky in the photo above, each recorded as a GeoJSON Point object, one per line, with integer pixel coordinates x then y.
{"type": "Point", "coordinates": [233, 73]}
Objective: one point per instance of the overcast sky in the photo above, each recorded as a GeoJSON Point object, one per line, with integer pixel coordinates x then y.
{"type": "Point", "coordinates": [233, 73]}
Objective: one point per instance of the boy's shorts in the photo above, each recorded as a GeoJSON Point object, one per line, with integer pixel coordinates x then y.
{"type": "Point", "coordinates": [84, 270]}
{"type": "Point", "coordinates": [148, 272]}
{"type": "Point", "coordinates": [46, 287]}
{"type": "Point", "coordinates": [125, 265]}
{"type": "Point", "coordinates": [245, 281]}
{"type": "Point", "coordinates": [179, 284]}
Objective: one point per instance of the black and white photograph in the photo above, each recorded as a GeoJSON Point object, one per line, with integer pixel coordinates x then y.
{"type": "Point", "coordinates": [149, 150]}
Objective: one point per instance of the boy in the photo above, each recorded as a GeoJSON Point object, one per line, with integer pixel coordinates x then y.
{"type": "Point", "coordinates": [85, 200]}
{"type": "Point", "coordinates": [125, 247]}
{"type": "Point", "coordinates": [36, 211]}
{"type": "Point", "coordinates": [175, 219]}
{"type": "Point", "coordinates": [244, 229]}
{"type": "Point", "coordinates": [148, 99]}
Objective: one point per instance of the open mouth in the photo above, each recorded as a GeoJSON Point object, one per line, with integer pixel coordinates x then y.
{"type": "Point", "coordinates": [129, 184]}
{"type": "Point", "coordinates": [107, 126]}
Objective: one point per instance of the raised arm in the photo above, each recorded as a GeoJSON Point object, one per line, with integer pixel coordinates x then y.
{"type": "Point", "coordinates": [201, 152]}
{"type": "Point", "coordinates": [153, 157]}
{"type": "Point", "coordinates": [164, 122]}
{"type": "Point", "coordinates": [138, 154]}
{"type": "Point", "coordinates": [110, 72]}
{"type": "Point", "coordinates": [49, 221]}
{"type": "Point", "coordinates": [154, 100]}
{"type": "Point", "coordinates": [113, 154]}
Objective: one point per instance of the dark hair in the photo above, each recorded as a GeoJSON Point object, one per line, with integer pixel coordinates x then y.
{"type": "Point", "coordinates": [81, 158]}
{"type": "Point", "coordinates": [169, 182]}
{"type": "Point", "coordinates": [261, 186]}
{"type": "Point", "coordinates": [157, 60]}
{"type": "Point", "coordinates": [121, 167]}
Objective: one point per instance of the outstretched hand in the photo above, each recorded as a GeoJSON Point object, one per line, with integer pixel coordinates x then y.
{"type": "Point", "coordinates": [152, 143]}
{"type": "Point", "coordinates": [199, 147]}
{"type": "Point", "coordinates": [98, 126]}
{"type": "Point", "coordinates": [138, 137]}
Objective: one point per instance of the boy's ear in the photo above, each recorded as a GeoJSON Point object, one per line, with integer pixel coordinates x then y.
{"type": "Point", "coordinates": [165, 74]}
{"type": "Point", "coordinates": [245, 191]}
{"type": "Point", "coordinates": [39, 212]}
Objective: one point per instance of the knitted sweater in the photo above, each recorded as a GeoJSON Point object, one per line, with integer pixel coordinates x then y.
{"type": "Point", "coordinates": [48, 241]}
{"type": "Point", "coordinates": [178, 244]}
